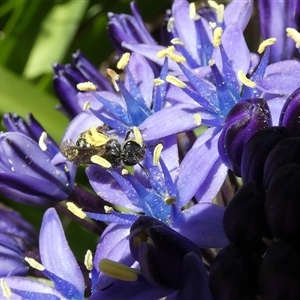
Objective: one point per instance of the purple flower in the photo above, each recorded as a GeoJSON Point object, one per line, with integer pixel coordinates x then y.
{"type": "Point", "coordinates": [26, 172]}
{"type": "Point", "coordinates": [285, 11]}
{"type": "Point", "coordinates": [59, 266]}
{"type": "Point", "coordinates": [17, 238]}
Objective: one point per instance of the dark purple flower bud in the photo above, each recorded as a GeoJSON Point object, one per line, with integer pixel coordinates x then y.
{"type": "Point", "coordinates": [244, 221]}
{"type": "Point", "coordinates": [290, 113]}
{"type": "Point", "coordinates": [256, 151]}
{"type": "Point", "coordinates": [17, 237]}
{"type": "Point", "coordinates": [279, 274]}
{"type": "Point", "coordinates": [243, 120]}
{"type": "Point", "coordinates": [285, 152]}
{"type": "Point", "coordinates": [160, 252]}
{"type": "Point", "coordinates": [128, 29]}
{"type": "Point", "coordinates": [66, 78]}
{"type": "Point", "coordinates": [233, 275]}
{"type": "Point", "coordinates": [282, 204]}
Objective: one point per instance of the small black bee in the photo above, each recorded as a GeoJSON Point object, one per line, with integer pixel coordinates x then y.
{"type": "Point", "coordinates": [93, 146]}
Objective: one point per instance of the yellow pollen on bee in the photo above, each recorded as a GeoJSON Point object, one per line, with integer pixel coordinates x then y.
{"type": "Point", "coordinates": [138, 136]}
{"type": "Point", "coordinates": [73, 208]}
{"type": "Point", "coordinates": [264, 44]}
{"type": "Point", "coordinates": [86, 105]}
{"type": "Point", "coordinates": [294, 34]}
{"type": "Point", "coordinates": [86, 86]}
{"type": "Point", "coordinates": [34, 264]}
{"type": "Point", "coordinates": [88, 260]}
{"type": "Point", "coordinates": [177, 41]}
{"type": "Point", "coordinates": [96, 138]}
{"type": "Point", "coordinates": [217, 36]}
{"type": "Point", "coordinates": [122, 63]}
{"type": "Point", "coordinates": [42, 141]}
{"type": "Point", "coordinates": [197, 119]}
{"type": "Point", "coordinates": [6, 291]}
{"type": "Point", "coordinates": [246, 81]}
{"type": "Point", "coordinates": [117, 270]}
{"type": "Point", "coordinates": [175, 81]}
{"type": "Point", "coordinates": [157, 153]}
{"type": "Point", "coordinates": [158, 81]}
{"type": "Point", "coordinates": [169, 52]}
{"type": "Point", "coordinates": [170, 24]}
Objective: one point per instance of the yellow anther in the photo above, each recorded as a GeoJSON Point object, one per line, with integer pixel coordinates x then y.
{"type": "Point", "coordinates": [158, 81]}
{"type": "Point", "coordinates": [213, 4]}
{"type": "Point", "coordinates": [42, 141]}
{"type": "Point", "coordinates": [211, 62]}
{"type": "Point", "coordinates": [220, 13]}
{"type": "Point", "coordinates": [212, 25]}
{"type": "Point", "coordinates": [88, 260]}
{"type": "Point", "coordinates": [115, 77]}
{"type": "Point", "coordinates": [108, 209]}
{"type": "Point", "coordinates": [169, 52]}
{"type": "Point", "coordinates": [124, 172]}
{"type": "Point", "coordinates": [217, 36]}
{"type": "Point", "coordinates": [6, 291]}
{"type": "Point", "coordinates": [86, 105]}
{"type": "Point", "coordinates": [117, 270]}
{"type": "Point", "coordinates": [197, 119]}
{"type": "Point", "coordinates": [138, 136]}
{"type": "Point", "coordinates": [99, 160]}
{"type": "Point", "coordinates": [192, 11]}
{"type": "Point", "coordinates": [246, 81]}
{"type": "Point", "coordinates": [34, 264]}
{"type": "Point", "coordinates": [170, 24]}
{"type": "Point", "coordinates": [122, 63]}
{"type": "Point", "coordinates": [169, 200]}
{"type": "Point", "coordinates": [175, 81]}
{"type": "Point", "coordinates": [157, 153]}
{"type": "Point", "coordinates": [73, 208]}
{"type": "Point", "coordinates": [177, 41]}
{"type": "Point", "coordinates": [295, 35]}
{"type": "Point", "coordinates": [266, 43]}
{"type": "Point", "coordinates": [86, 86]}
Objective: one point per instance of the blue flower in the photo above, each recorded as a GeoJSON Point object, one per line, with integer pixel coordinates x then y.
{"type": "Point", "coordinates": [26, 172]}
{"type": "Point", "coordinates": [59, 266]}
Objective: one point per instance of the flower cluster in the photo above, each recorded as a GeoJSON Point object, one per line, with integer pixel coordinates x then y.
{"type": "Point", "coordinates": [162, 142]}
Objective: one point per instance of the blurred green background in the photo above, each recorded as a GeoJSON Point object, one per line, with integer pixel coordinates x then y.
{"type": "Point", "coordinates": [33, 35]}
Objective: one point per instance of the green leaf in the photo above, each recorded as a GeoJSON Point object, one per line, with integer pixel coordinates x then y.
{"type": "Point", "coordinates": [57, 33]}
{"type": "Point", "coordinates": [21, 97]}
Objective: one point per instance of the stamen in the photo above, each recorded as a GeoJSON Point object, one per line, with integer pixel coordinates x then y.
{"type": "Point", "coordinates": [124, 172]}
{"type": "Point", "coordinates": [6, 291]}
{"type": "Point", "coordinates": [122, 63]}
{"type": "Point", "coordinates": [220, 13]}
{"type": "Point", "coordinates": [108, 209]}
{"type": "Point", "coordinates": [158, 81]}
{"type": "Point", "coordinates": [169, 200]}
{"type": "Point", "coordinates": [86, 86]}
{"type": "Point", "coordinates": [169, 52]}
{"type": "Point", "coordinates": [211, 62]}
{"type": "Point", "coordinates": [246, 81]}
{"type": "Point", "coordinates": [265, 43]}
{"type": "Point", "coordinates": [114, 78]}
{"type": "Point", "coordinates": [197, 119]}
{"type": "Point", "coordinates": [86, 105]}
{"type": "Point", "coordinates": [177, 41]}
{"type": "Point", "coordinates": [193, 13]}
{"type": "Point", "coordinates": [138, 136]}
{"type": "Point", "coordinates": [170, 24]}
{"type": "Point", "coordinates": [73, 208]}
{"type": "Point", "coordinates": [157, 153]}
{"type": "Point", "coordinates": [212, 25]}
{"type": "Point", "coordinates": [175, 81]}
{"type": "Point", "coordinates": [88, 260]}
{"type": "Point", "coordinates": [213, 4]}
{"type": "Point", "coordinates": [42, 141]}
{"type": "Point", "coordinates": [217, 36]}
{"type": "Point", "coordinates": [295, 35]}
{"type": "Point", "coordinates": [34, 264]}
{"type": "Point", "coordinates": [117, 270]}
{"type": "Point", "coordinates": [98, 160]}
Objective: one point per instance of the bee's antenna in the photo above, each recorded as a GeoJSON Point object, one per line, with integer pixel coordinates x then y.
{"type": "Point", "coordinates": [143, 168]}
